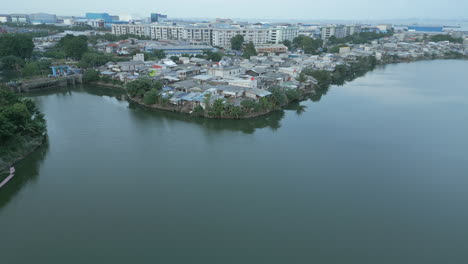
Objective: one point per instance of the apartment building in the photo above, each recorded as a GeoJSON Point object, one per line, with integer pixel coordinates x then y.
{"type": "Point", "coordinates": [280, 34]}
{"type": "Point", "coordinates": [166, 32]}
{"type": "Point", "coordinates": [216, 36]}
{"type": "Point", "coordinates": [222, 36]}
{"type": "Point", "coordinates": [136, 29]}
{"type": "Point", "coordinates": [339, 31]}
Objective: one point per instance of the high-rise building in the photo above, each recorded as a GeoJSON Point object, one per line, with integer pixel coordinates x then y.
{"type": "Point", "coordinates": [5, 18]}
{"type": "Point", "coordinates": [280, 34]}
{"type": "Point", "coordinates": [20, 18]}
{"type": "Point", "coordinates": [99, 16]}
{"type": "Point", "coordinates": [155, 17]}
{"type": "Point", "coordinates": [339, 31]}
{"type": "Point", "coordinates": [216, 36]}
{"type": "Point", "coordinates": [42, 18]}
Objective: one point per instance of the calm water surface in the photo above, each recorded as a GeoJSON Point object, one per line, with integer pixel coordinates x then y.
{"type": "Point", "coordinates": [375, 172]}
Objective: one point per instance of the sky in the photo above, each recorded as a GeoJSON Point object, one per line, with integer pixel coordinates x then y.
{"type": "Point", "coordinates": [252, 9]}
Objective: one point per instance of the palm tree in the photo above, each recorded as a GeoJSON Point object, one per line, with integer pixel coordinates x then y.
{"type": "Point", "coordinates": [302, 78]}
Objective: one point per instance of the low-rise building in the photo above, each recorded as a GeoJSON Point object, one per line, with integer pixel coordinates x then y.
{"type": "Point", "coordinates": [271, 48]}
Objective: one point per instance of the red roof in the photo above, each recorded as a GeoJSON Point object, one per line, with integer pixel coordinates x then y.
{"type": "Point", "coordinates": [112, 45]}
{"type": "Point", "coordinates": [157, 67]}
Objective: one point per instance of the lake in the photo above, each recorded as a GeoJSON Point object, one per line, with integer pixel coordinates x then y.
{"type": "Point", "coordinates": [374, 172]}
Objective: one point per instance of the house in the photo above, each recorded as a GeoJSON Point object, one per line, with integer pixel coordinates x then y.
{"type": "Point", "coordinates": [271, 48]}
{"type": "Point", "coordinates": [228, 71]}
{"type": "Point", "coordinates": [230, 90]}
{"type": "Point", "coordinates": [130, 65]}
{"type": "Point", "coordinates": [112, 48]}
{"type": "Point", "coordinates": [256, 94]}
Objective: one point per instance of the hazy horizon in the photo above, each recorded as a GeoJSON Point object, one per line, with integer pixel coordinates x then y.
{"type": "Point", "coordinates": [268, 10]}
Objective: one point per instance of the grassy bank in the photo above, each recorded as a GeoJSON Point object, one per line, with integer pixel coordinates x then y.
{"type": "Point", "coordinates": [18, 148]}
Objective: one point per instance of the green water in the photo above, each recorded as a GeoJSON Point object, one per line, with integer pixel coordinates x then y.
{"type": "Point", "coordinates": [375, 172]}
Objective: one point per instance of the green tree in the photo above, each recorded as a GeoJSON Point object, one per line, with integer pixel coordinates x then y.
{"type": "Point", "coordinates": [278, 97]}
{"type": "Point", "coordinates": [90, 75]}
{"type": "Point", "coordinates": [19, 117]}
{"type": "Point", "coordinates": [175, 59]}
{"type": "Point", "coordinates": [302, 78]}
{"type": "Point", "coordinates": [94, 59]}
{"type": "Point", "coordinates": [213, 56]}
{"type": "Point", "coordinates": [307, 44]}
{"type": "Point", "coordinates": [217, 108]}
{"type": "Point", "coordinates": [288, 44]}
{"type": "Point", "coordinates": [151, 97]}
{"type": "Point", "coordinates": [140, 87]}
{"type": "Point", "coordinates": [237, 42]}
{"type": "Point", "coordinates": [18, 45]}
{"type": "Point", "coordinates": [445, 37]}
{"type": "Point", "coordinates": [31, 69]}
{"type": "Point", "coordinates": [249, 50]}
{"type": "Point", "coordinates": [74, 47]}
{"type": "Point", "coordinates": [11, 63]}
{"type": "Point", "coordinates": [159, 54]}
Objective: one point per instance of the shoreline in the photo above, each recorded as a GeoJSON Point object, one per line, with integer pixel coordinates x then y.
{"type": "Point", "coordinates": [24, 153]}
{"type": "Point", "coordinates": [304, 94]}
{"type": "Point", "coordinates": [178, 110]}
{"type": "Point", "coordinates": [171, 109]}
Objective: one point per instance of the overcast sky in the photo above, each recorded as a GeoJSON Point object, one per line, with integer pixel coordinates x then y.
{"type": "Point", "coordinates": [261, 9]}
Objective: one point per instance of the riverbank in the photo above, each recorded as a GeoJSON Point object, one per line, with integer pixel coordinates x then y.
{"type": "Point", "coordinates": [16, 150]}
{"type": "Point", "coordinates": [185, 111]}
{"type": "Point", "coordinates": [246, 111]}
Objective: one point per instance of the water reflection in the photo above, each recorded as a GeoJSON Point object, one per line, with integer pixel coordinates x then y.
{"type": "Point", "coordinates": [27, 171]}
{"type": "Point", "coordinates": [248, 126]}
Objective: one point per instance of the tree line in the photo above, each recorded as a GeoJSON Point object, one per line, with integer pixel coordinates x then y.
{"type": "Point", "coordinates": [19, 117]}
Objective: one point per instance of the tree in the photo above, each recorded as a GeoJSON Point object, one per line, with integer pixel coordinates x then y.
{"type": "Point", "coordinates": [249, 50]}
{"type": "Point", "coordinates": [74, 47]}
{"type": "Point", "coordinates": [288, 44]}
{"type": "Point", "coordinates": [175, 59]}
{"type": "Point", "coordinates": [18, 45]}
{"type": "Point", "coordinates": [90, 75]}
{"type": "Point", "coordinates": [213, 56]}
{"type": "Point", "coordinates": [140, 87]}
{"type": "Point", "coordinates": [302, 78]}
{"type": "Point", "coordinates": [217, 108]}
{"type": "Point", "coordinates": [19, 117]}
{"type": "Point", "coordinates": [307, 44]}
{"type": "Point", "coordinates": [94, 59]}
{"type": "Point", "coordinates": [278, 96]}
{"type": "Point", "coordinates": [151, 97]}
{"type": "Point", "coordinates": [444, 37]}
{"type": "Point", "coordinates": [31, 69]}
{"type": "Point", "coordinates": [11, 63]}
{"type": "Point", "coordinates": [237, 42]}
{"type": "Point", "coordinates": [159, 54]}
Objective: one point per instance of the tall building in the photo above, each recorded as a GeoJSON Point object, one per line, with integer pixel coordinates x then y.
{"type": "Point", "coordinates": [42, 18]}
{"type": "Point", "coordinates": [216, 36]}
{"type": "Point", "coordinates": [339, 31]}
{"type": "Point", "coordinates": [155, 17]}
{"type": "Point", "coordinates": [99, 16]}
{"type": "Point", "coordinates": [20, 19]}
{"type": "Point", "coordinates": [280, 34]}
{"type": "Point", "coordinates": [5, 18]}
{"type": "Point", "coordinates": [438, 29]}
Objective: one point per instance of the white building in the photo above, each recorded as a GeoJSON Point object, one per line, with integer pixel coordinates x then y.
{"type": "Point", "coordinates": [125, 29]}
{"type": "Point", "coordinates": [139, 57]}
{"type": "Point", "coordinates": [280, 34]}
{"type": "Point", "coordinates": [225, 72]}
{"type": "Point", "coordinates": [339, 31]}
{"type": "Point", "coordinates": [216, 36]}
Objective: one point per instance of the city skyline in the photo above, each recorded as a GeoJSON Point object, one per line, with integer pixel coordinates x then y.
{"type": "Point", "coordinates": [274, 10]}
